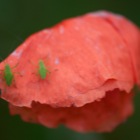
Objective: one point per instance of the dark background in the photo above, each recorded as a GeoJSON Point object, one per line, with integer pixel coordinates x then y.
{"type": "Point", "coordinates": [19, 19]}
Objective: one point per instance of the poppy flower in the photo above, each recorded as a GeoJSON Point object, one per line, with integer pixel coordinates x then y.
{"type": "Point", "coordinates": [79, 73]}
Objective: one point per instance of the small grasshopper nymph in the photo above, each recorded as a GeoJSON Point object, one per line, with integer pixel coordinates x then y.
{"type": "Point", "coordinates": [8, 74]}
{"type": "Point", "coordinates": [43, 71]}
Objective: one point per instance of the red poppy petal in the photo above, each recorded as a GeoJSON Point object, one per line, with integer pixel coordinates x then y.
{"type": "Point", "coordinates": [83, 54]}
{"type": "Point", "coordinates": [89, 58]}
{"type": "Point", "coordinates": [99, 116]}
{"type": "Point", "coordinates": [130, 34]}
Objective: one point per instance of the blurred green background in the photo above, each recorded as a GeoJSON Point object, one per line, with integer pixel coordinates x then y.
{"type": "Point", "coordinates": [19, 19]}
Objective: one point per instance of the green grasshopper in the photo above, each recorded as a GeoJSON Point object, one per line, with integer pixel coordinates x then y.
{"type": "Point", "coordinates": [43, 71]}
{"type": "Point", "coordinates": [8, 74]}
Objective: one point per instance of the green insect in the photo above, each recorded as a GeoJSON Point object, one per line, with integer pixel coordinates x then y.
{"type": "Point", "coordinates": [8, 74]}
{"type": "Point", "coordinates": [43, 71]}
